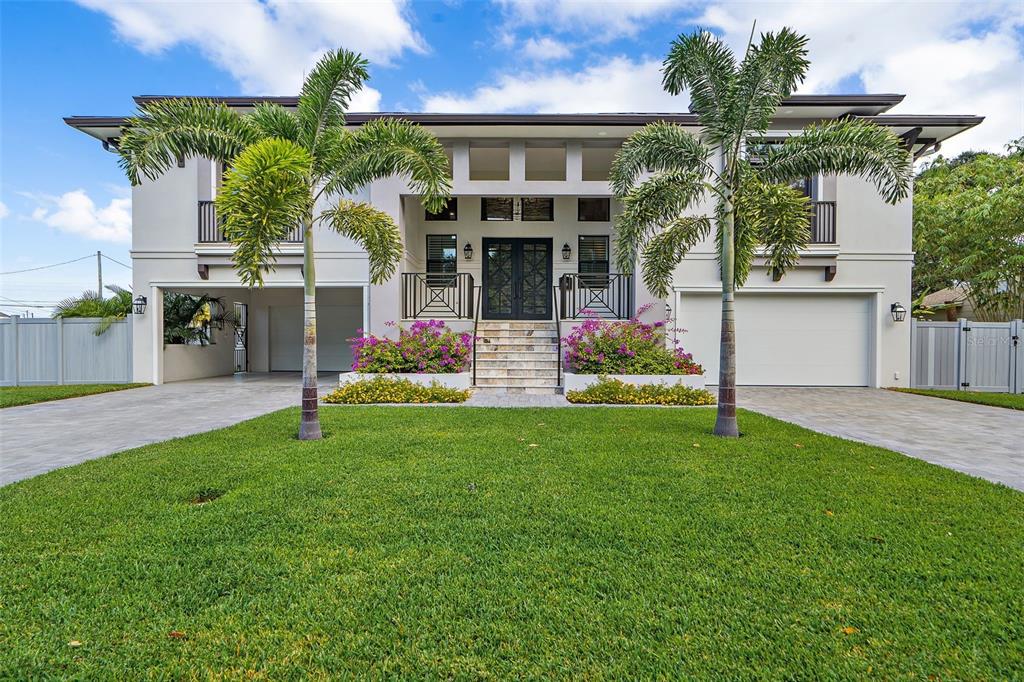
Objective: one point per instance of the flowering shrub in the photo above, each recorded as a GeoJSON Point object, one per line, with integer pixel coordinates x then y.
{"type": "Point", "coordinates": [614, 392]}
{"type": "Point", "coordinates": [624, 347]}
{"type": "Point", "coordinates": [386, 390]}
{"type": "Point", "coordinates": [427, 347]}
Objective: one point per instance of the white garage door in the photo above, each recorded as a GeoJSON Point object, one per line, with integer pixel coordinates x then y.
{"type": "Point", "coordinates": [785, 339]}
{"type": "Point", "coordinates": [335, 325]}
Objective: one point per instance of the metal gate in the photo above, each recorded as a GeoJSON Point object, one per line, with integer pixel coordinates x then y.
{"type": "Point", "coordinates": [970, 356]}
{"type": "Point", "coordinates": [241, 337]}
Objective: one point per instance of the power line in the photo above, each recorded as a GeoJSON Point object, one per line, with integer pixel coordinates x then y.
{"type": "Point", "coordinates": [116, 261]}
{"type": "Point", "coordinates": [44, 267]}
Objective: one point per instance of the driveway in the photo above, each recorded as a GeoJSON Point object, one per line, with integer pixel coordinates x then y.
{"type": "Point", "coordinates": [987, 442]}
{"type": "Point", "coordinates": [45, 436]}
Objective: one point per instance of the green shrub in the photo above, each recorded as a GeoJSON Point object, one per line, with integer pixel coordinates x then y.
{"type": "Point", "coordinates": [614, 392]}
{"type": "Point", "coordinates": [387, 390]}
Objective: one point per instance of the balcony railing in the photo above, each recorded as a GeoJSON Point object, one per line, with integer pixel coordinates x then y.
{"type": "Point", "coordinates": [604, 295]}
{"type": "Point", "coordinates": [210, 229]}
{"type": "Point", "coordinates": [437, 295]}
{"type": "Point", "coordinates": [823, 222]}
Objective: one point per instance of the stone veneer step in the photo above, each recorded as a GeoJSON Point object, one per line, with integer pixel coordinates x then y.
{"type": "Point", "coordinates": [517, 356]}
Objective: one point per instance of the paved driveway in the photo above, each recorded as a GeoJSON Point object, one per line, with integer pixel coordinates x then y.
{"type": "Point", "coordinates": [37, 438]}
{"type": "Point", "coordinates": [987, 442]}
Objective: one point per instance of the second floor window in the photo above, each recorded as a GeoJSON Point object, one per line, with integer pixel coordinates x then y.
{"type": "Point", "coordinates": [441, 259]}
{"type": "Point", "coordinates": [758, 147]}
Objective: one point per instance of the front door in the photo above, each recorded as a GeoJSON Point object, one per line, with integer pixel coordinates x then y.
{"type": "Point", "coordinates": [517, 278]}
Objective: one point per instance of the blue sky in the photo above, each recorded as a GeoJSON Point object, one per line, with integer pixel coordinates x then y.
{"type": "Point", "coordinates": [64, 197]}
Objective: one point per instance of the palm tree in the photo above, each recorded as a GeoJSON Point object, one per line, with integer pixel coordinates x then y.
{"type": "Point", "coordinates": [281, 164]}
{"type": "Point", "coordinates": [91, 304]}
{"type": "Point", "coordinates": [749, 180]}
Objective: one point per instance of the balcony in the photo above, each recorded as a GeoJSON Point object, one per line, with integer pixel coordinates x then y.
{"type": "Point", "coordinates": [823, 222]}
{"type": "Point", "coordinates": [439, 296]}
{"type": "Point", "coordinates": [210, 230]}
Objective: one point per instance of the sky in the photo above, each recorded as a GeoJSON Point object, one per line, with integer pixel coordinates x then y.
{"type": "Point", "coordinates": [63, 198]}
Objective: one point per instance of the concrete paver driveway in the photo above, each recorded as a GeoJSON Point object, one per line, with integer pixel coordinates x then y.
{"type": "Point", "coordinates": [37, 438]}
{"type": "Point", "coordinates": [983, 441]}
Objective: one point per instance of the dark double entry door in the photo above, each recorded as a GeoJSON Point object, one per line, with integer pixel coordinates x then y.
{"type": "Point", "coordinates": [517, 278]}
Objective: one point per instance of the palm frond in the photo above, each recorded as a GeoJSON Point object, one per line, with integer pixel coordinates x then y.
{"type": "Point", "coordinates": [848, 147]}
{"type": "Point", "coordinates": [778, 218]}
{"type": "Point", "coordinates": [704, 64]}
{"type": "Point", "coordinates": [769, 73]}
{"type": "Point", "coordinates": [273, 120]}
{"type": "Point", "coordinates": [372, 229]}
{"type": "Point", "coordinates": [170, 129]}
{"type": "Point", "coordinates": [658, 147]}
{"type": "Point", "coordinates": [385, 147]}
{"type": "Point", "coordinates": [650, 205]}
{"type": "Point", "coordinates": [265, 194]}
{"type": "Point", "coordinates": [666, 249]}
{"type": "Point", "coordinates": [326, 93]}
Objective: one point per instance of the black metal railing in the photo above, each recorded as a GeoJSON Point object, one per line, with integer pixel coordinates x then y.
{"type": "Point", "coordinates": [476, 327]}
{"type": "Point", "coordinates": [437, 295]}
{"type": "Point", "coordinates": [823, 222]}
{"type": "Point", "coordinates": [605, 295]}
{"type": "Point", "coordinates": [210, 229]}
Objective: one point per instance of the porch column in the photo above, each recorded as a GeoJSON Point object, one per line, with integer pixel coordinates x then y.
{"type": "Point", "coordinates": [573, 162]}
{"type": "Point", "coordinates": [366, 310]}
{"type": "Point", "coordinates": [156, 325]}
{"type": "Point", "coordinates": [517, 161]}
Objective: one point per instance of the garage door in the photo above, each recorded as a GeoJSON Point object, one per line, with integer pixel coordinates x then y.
{"type": "Point", "coordinates": [335, 325]}
{"type": "Point", "coordinates": [785, 339]}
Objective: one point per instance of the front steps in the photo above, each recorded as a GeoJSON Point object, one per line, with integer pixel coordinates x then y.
{"type": "Point", "coordinates": [517, 357]}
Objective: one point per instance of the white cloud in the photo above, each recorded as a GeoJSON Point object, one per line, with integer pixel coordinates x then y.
{"type": "Point", "coordinates": [545, 48]}
{"type": "Point", "coordinates": [602, 20]}
{"type": "Point", "coordinates": [4, 212]}
{"type": "Point", "coordinates": [267, 46]}
{"type": "Point", "coordinates": [76, 213]}
{"type": "Point", "coordinates": [619, 84]}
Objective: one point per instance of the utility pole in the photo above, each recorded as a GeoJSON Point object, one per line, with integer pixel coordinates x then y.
{"type": "Point", "coordinates": [99, 273]}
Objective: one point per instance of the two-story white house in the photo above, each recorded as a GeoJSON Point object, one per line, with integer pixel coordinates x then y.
{"type": "Point", "coordinates": [527, 235]}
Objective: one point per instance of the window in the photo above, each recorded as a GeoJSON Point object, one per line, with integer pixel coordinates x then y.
{"type": "Point", "coordinates": [496, 208]}
{"type": "Point", "coordinates": [758, 147]}
{"type": "Point", "coordinates": [536, 209]}
{"type": "Point", "coordinates": [592, 254]}
{"type": "Point", "coordinates": [449, 212]}
{"type": "Point", "coordinates": [441, 259]}
{"type": "Point", "coordinates": [594, 210]}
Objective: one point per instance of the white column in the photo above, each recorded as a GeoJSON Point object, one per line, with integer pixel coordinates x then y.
{"type": "Point", "coordinates": [517, 161]}
{"type": "Point", "coordinates": [156, 326]}
{"type": "Point", "coordinates": [366, 310]}
{"type": "Point", "coordinates": [573, 162]}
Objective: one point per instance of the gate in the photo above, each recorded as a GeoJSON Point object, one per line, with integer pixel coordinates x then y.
{"type": "Point", "coordinates": [970, 356]}
{"type": "Point", "coordinates": [241, 337]}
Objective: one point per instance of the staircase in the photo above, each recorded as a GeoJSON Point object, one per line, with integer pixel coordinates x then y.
{"type": "Point", "coordinates": [517, 357]}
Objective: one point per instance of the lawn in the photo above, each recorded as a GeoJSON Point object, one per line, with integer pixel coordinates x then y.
{"type": "Point", "coordinates": [1014, 401]}
{"type": "Point", "coordinates": [13, 396]}
{"type": "Point", "coordinates": [440, 542]}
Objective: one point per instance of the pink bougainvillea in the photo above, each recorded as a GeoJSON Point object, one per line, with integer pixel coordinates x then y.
{"type": "Point", "coordinates": [427, 347]}
{"type": "Point", "coordinates": [624, 347]}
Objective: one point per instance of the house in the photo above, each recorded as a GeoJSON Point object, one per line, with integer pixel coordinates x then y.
{"type": "Point", "coordinates": [527, 236]}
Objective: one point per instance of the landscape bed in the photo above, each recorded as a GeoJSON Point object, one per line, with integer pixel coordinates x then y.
{"type": "Point", "coordinates": [589, 542]}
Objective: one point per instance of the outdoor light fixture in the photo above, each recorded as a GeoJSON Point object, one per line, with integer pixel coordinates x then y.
{"type": "Point", "coordinates": [899, 313]}
{"type": "Point", "coordinates": [467, 251]}
{"type": "Point", "coordinates": [139, 305]}
{"type": "Point", "coordinates": [566, 251]}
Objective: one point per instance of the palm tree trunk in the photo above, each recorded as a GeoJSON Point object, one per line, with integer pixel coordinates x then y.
{"type": "Point", "coordinates": [309, 427]}
{"type": "Point", "coordinates": [725, 424]}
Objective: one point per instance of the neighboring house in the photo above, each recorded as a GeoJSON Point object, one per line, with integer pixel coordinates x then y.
{"type": "Point", "coordinates": [952, 304]}
{"type": "Point", "coordinates": [528, 235]}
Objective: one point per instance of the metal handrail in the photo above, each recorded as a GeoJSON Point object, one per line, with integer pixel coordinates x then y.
{"type": "Point", "coordinates": [210, 231]}
{"type": "Point", "coordinates": [558, 334]}
{"type": "Point", "coordinates": [606, 295]}
{"type": "Point", "coordinates": [476, 324]}
{"type": "Point", "coordinates": [823, 222]}
{"type": "Point", "coordinates": [437, 295]}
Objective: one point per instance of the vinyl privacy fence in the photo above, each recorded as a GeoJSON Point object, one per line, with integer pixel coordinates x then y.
{"type": "Point", "coordinates": [38, 351]}
{"type": "Point", "coordinates": [968, 356]}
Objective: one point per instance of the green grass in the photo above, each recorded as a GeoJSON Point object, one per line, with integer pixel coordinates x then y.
{"type": "Point", "coordinates": [438, 542]}
{"type": "Point", "coordinates": [13, 396]}
{"type": "Point", "coordinates": [1014, 401]}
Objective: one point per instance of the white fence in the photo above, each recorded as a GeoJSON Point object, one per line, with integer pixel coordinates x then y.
{"type": "Point", "coordinates": [38, 351]}
{"type": "Point", "coordinates": [970, 356]}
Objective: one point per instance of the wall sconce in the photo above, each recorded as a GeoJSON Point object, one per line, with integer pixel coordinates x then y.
{"type": "Point", "coordinates": [139, 305]}
{"type": "Point", "coordinates": [467, 251]}
{"type": "Point", "coordinates": [899, 313]}
{"type": "Point", "coordinates": [566, 251]}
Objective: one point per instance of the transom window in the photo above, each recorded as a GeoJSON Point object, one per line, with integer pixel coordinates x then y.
{"type": "Point", "coordinates": [449, 212]}
{"type": "Point", "coordinates": [538, 209]}
{"type": "Point", "coordinates": [496, 208]}
{"type": "Point", "coordinates": [441, 259]}
{"type": "Point", "coordinates": [594, 209]}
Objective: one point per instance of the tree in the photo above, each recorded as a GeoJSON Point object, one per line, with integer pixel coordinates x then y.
{"type": "Point", "coordinates": [281, 164]}
{"type": "Point", "coordinates": [187, 317]}
{"type": "Point", "coordinates": [969, 230]}
{"type": "Point", "coordinates": [744, 171]}
{"type": "Point", "coordinates": [90, 304]}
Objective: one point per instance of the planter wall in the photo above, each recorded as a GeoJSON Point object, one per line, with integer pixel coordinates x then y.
{"type": "Point", "coordinates": [461, 380]}
{"type": "Point", "coordinates": [578, 382]}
